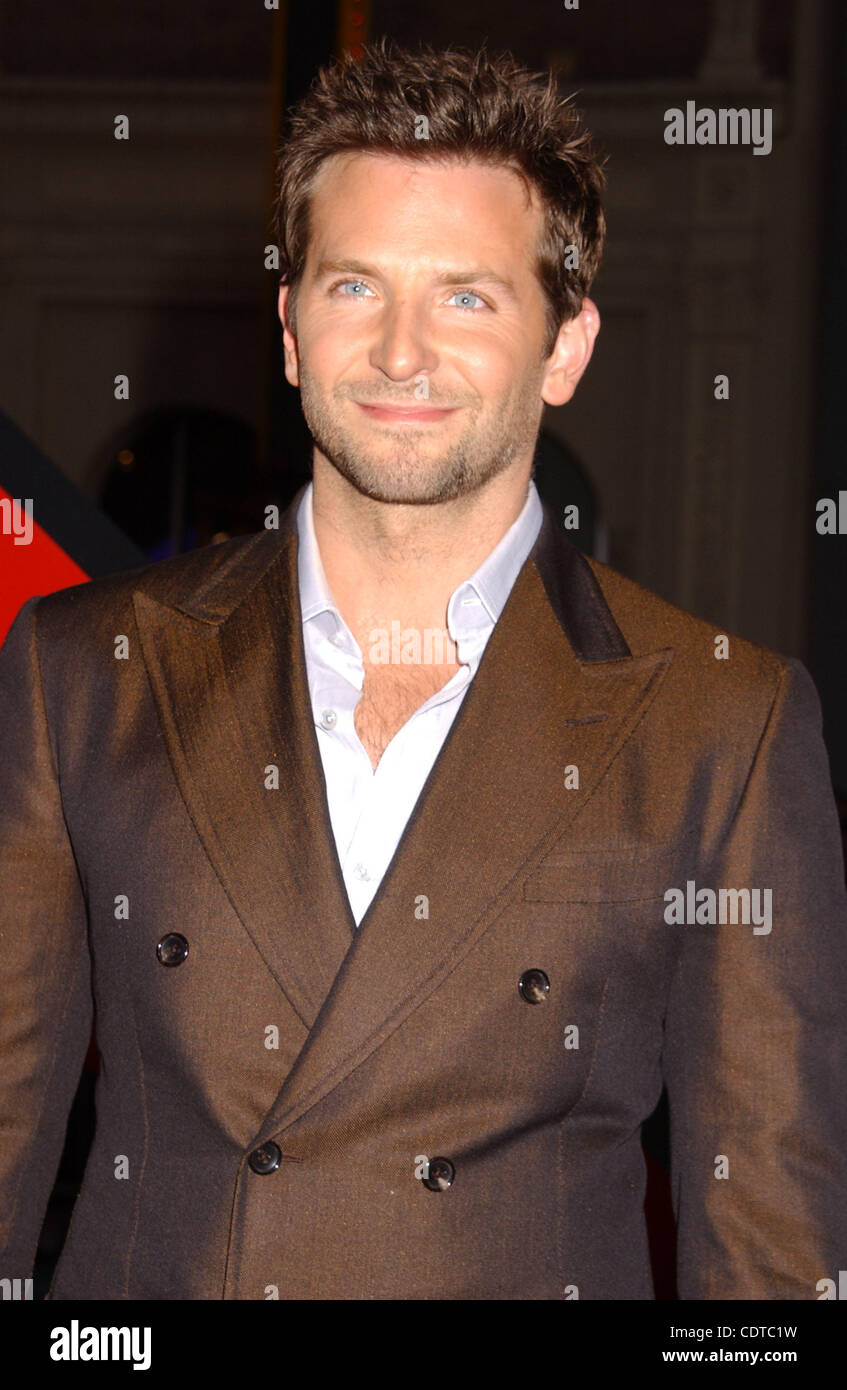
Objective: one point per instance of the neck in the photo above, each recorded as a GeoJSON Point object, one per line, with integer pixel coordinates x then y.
{"type": "Point", "coordinates": [390, 561]}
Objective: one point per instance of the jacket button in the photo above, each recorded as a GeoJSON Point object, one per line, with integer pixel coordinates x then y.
{"type": "Point", "coordinates": [266, 1158]}
{"type": "Point", "coordinates": [440, 1176]}
{"type": "Point", "coordinates": [534, 986]}
{"type": "Point", "coordinates": [172, 949]}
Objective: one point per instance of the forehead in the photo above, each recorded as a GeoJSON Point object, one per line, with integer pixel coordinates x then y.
{"type": "Point", "coordinates": [421, 206]}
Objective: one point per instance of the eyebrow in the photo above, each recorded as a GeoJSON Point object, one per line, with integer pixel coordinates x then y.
{"type": "Point", "coordinates": [476, 276]}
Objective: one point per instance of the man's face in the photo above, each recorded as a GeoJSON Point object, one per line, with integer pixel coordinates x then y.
{"type": "Point", "coordinates": [420, 325]}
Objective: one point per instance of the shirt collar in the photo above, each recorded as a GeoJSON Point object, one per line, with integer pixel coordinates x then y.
{"type": "Point", "coordinates": [474, 606]}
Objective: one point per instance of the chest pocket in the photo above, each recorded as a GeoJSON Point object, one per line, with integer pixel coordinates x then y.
{"type": "Point", "coordinates": [634, 874]}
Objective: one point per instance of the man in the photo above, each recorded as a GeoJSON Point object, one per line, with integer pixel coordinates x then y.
{"type": "Point", "coordinates": [407, 854]}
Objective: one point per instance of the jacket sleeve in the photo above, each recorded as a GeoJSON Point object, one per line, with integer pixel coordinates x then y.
{"type": "Point", "coordinates": [45, 988]}
{"type": "Point", "coordinates": [755, 1049]}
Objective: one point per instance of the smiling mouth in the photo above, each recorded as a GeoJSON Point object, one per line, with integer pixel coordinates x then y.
{"type": "Point", "coordinates": [411, 413]}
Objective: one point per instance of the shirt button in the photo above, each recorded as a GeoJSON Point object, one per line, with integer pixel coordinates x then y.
{"type": "Point", "coordinates": [336, 639]}
{"type": "Point", "coordinates": [361, 872]}
{"type": "Point", "coordinates": [329, 719]}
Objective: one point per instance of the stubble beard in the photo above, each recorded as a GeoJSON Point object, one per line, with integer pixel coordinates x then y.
{"type": "Point", "coordinates": [406, 469]}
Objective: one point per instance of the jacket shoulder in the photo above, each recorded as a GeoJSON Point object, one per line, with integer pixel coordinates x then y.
{"type": "Point", "coordinates": [650, 623]}
{"type": "Point", "coordinates": [183, 581]}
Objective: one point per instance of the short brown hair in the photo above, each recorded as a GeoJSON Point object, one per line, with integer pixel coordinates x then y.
{"type": "Point", "coordinates": [476, 107]}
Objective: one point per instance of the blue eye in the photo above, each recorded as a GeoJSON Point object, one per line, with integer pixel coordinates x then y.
{"type": "Point", "coordinates": [467, 294]}
{"type": "Point", "coordinates": [357, 284]}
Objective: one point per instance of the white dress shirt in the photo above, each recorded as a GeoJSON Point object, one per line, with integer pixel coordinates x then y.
{"type": "Point", "coordinates": [369, 809]}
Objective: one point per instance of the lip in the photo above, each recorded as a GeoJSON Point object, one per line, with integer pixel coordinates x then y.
{"type": "Point", "coordinates": [412, 413]}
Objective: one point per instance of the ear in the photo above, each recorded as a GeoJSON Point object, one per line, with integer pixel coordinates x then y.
{"type": "Point", "coordinates": [571, 354]}
{"type": "Point", "coordinates": [289, 339]}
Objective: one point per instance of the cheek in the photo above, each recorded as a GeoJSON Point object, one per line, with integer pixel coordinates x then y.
{"type": "Point", "coordinates": [493, 366]}
{"type": "Point", "coordinates": [498, 357]}
{"type": "Point", "coordinates": [327, 347]}
{"type": "Point", "coordinates": [333, 341]}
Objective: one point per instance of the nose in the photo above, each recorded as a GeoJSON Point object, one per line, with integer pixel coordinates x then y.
{"type": "Point", "coordinates": [403, 347]}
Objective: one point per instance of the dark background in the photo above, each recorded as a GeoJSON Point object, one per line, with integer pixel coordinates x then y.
{"type": "Point", "coordinates": [146, 258]}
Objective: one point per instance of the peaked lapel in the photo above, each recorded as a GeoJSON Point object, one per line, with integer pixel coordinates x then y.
{"type": "Point", "coordinates": [228, 673]}
{"type": "Point", "coordinates": [556, 685]}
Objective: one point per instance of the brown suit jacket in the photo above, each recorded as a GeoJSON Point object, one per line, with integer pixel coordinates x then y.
{"type": "Point", "coordinates": [142, 786]}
